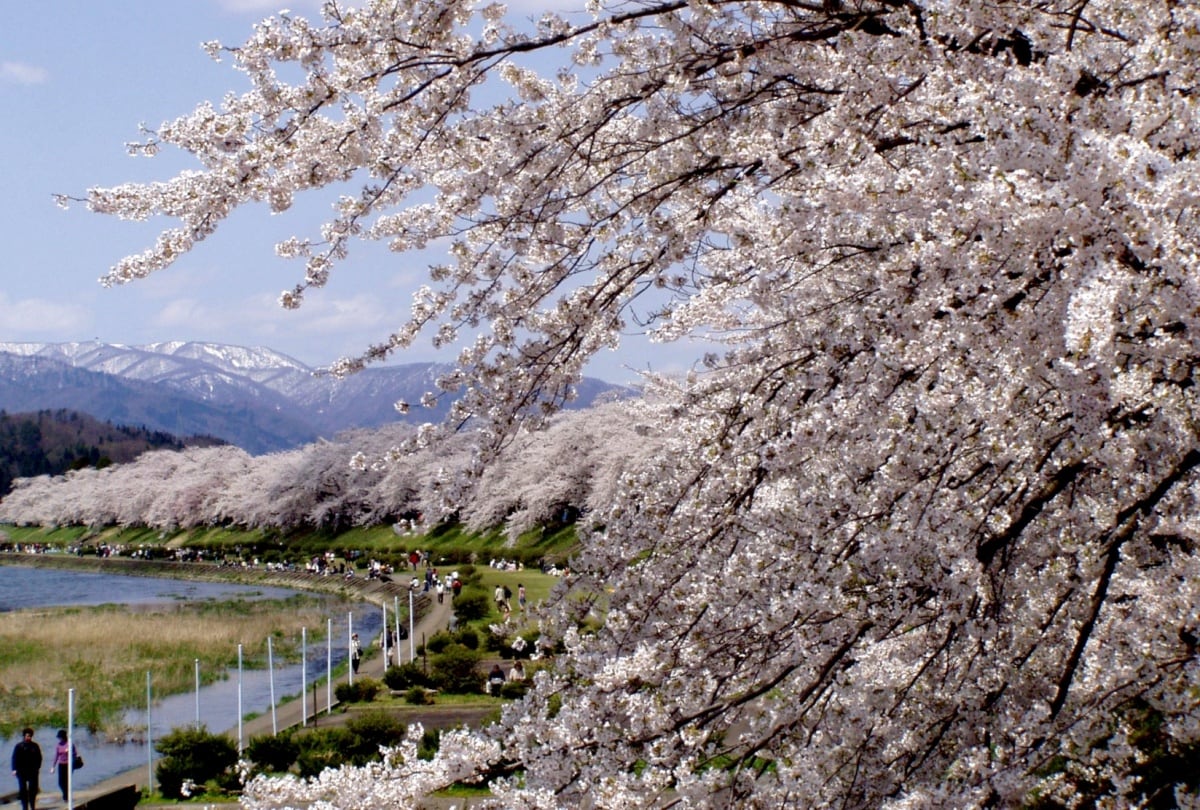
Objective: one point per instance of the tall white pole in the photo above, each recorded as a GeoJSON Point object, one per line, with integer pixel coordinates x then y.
{"type": "Point", "coordinates": [329, 666]}
{"type": "Point", "coordinates": [241, 746]}
{"type": "Point", "coordinates": [271, 679]}
{"type": "Point", "coordinates": [396, 613]}
{"type": "Point", "coordinates": [70, 766]}
{"type": "Point", "coordinates": [412, 631]}
{"type": "Point", "coordinates": [149, 738]}
{"type": "Point", "coordinates": [197, 693]}
{"type": "Point", "coordinates": [304, 677]}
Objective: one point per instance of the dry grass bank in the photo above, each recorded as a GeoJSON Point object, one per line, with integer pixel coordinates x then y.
{"type": "Point", "coordinates": [105, 652]}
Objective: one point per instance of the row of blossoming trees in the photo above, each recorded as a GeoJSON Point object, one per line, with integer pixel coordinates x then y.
{"type": "Point", "coordinates": [923, 532]}
{"type": "Point", "coordinates": [354, 480]}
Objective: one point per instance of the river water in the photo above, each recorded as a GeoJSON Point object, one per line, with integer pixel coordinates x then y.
{"type": "Point", "coordinates": [22, 588]}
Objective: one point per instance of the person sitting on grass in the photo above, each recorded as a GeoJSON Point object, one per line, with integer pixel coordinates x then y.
{"type": "Point", "coordinates": [495, 680]}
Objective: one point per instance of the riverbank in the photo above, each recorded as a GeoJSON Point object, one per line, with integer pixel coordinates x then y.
{"type": "Point", "coordinates": [106, 650]}
{"type": "Point", "coordinates": [351, 588]}
{"type": "Point", "coordinates": [287, 715]}
{"type": "Point", "coordinates": [431, 617]}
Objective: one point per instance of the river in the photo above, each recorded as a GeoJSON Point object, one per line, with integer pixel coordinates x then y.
{"type": "Point", "coordinates": [22, 588]}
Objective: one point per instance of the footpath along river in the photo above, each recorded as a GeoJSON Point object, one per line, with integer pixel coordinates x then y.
{"type": "Point", "coordinates": [23, 587]}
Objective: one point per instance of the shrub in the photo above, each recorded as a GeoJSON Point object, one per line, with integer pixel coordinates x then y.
{"type": "Point", "coordinates": [468, 638]}
{"type": "Point", "coordinates": [362, 690]}
{"type": "Point", "coordinates": [355, 744]}
{"type": "Point", "coordinates": [456, 670]}
{"type": "Point", "coordinates": [417, 696]}
{"type": "Point", "coordinates": [471, 605]}
{"type": "Point", "coordinates": [192, 753]}
{"type": "Point", "coordinates": [495, 643]}
{"type": "Point", "coordinates": [428, 746]}
{"type": "Point", "coordinates": [321, 749]}
{"type": "Point", "coordinates": [438, 642]}
{"type": "Point", "coordinates": [372, 729]}
{"type": "Point", "coordinates": [512, 690]}
{"type": "Point", "coordinates": [405, 676]}
{"type": "Point", "coordinates": [274, 753]}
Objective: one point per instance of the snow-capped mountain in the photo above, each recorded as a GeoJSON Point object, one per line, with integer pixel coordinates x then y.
{"type": "Point", "coordinates": [256, 398]}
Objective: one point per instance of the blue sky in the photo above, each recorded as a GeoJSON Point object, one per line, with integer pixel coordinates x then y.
{"type": "Point", "coordinates": [77, 77]}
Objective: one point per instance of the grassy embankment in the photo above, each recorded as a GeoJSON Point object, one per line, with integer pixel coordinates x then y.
{"type": "Point", "coordinates": [448, 543]}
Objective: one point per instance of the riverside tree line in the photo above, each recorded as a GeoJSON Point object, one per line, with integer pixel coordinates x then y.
{"type": "Point", "coordinates": [358, 479]}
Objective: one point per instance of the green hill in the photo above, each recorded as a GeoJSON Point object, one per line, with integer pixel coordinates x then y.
{"type": "Point", "coordinates": [55, 441]}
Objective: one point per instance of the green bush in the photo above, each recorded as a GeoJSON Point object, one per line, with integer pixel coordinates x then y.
{"type": "Point", "coordinates": [171, 774]}
{"type": "Point", "coordinates": [468, 638]}
{"type": "Point", "coordinates": [456, 670]}
{"type": "Point", "coordinates": [363, 690]}
{"type": "Point", "coordinates": [370, 730]}
{"type": "Point", "coordinates": [321, 749]}
{"type": "Point", "coordinates": [512, 690]}
{"type": "Point", "coordinates": [192, 753]}
{"type": "Point", "coordinates": [405, 676]}
{"type": "Point", "coordinates": [274, 753]}
{"type": "Point", "coordinates": [494, 643]}
{"type": "Point", "coordinates": [417, 696]}
{"type": "Point", "coordinates": [428, 746]}
{"type": "Point", "coordinates": [438, 642]}
{"type": "Point", "coordinates": [356, 743]}
{"type": "Point", "coordinates": [472, 605]}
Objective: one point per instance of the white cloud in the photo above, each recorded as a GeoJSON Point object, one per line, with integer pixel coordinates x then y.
{"type": "Point", "coordinates": [38, 319]}
{"type": "Point", "coordinates": [20, 73]}
{"type": "Point", "coordinates": [346, 323]}
{"type": "Point", "coordinates": [362, 315]}
{"type": "Point", "coordinates": [182, 312]}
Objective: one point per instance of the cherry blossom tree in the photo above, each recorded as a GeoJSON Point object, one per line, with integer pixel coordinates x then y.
{"type": "Point", "coordinates": [571, 465]}
{"type": "Point", "coordinates": [923, 532]}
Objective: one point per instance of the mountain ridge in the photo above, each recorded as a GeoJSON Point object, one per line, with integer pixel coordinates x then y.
{"type": "Point", "coordinates": [255, 397]}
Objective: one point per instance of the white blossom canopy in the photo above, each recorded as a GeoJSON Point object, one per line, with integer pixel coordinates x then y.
{"type": "Point", "coordinates": [925, 524]}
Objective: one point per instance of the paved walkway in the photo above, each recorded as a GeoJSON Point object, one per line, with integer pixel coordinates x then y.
{"type": "Point", "coordinates": [432, 617]}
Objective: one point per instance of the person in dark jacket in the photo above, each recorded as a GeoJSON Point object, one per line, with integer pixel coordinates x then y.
{"type": "Point", "coordinates": [26, 764]}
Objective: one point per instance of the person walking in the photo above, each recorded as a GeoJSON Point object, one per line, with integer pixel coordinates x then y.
{"type": "Point", "coordinates": [63, 757]}
{"type": "Point", "coordinates": [355, 653]}
{"type": "Point", "coordinates": [26, 764]}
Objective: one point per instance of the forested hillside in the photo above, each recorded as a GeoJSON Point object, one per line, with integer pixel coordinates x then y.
{"type": "Point", "coordinates": [51, 442]}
